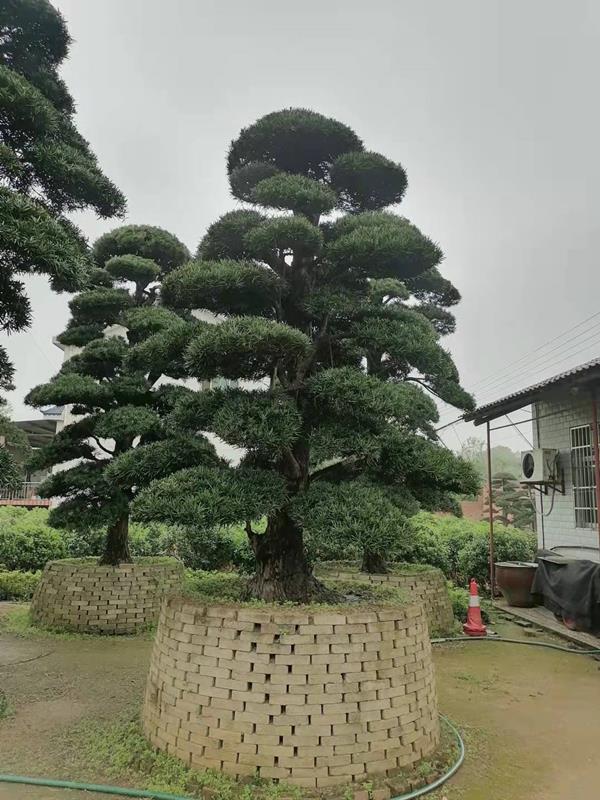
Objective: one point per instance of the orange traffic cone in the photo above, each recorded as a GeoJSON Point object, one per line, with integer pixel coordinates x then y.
{"type": "Point", "coordinates": [474, 625]}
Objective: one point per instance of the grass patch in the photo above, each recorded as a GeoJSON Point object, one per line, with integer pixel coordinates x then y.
{"type": "Point", "coordinates": [394, 568]}
{"type": "Point", "coordinates": [18, 622]}
{"type": "Point", "coordinates": [93, 561]}
{"type": "Point", "coordinates": [231, 587]}
{"type": "Point", "coordinates": [122, 754]}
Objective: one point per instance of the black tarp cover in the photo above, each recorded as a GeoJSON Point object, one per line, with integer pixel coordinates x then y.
{"type": "Point", "coordinates": [570, 587]}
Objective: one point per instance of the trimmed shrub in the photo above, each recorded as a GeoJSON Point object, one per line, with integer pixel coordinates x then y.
{"type": "Point", "coordinates": [18, 585]}
{"type": "Point", "coordinates": [27, 542]}
{"type": "Point", "coordinates": [460, 547]}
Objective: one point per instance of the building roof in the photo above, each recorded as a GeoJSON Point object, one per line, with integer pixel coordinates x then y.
{"type": "Point", "coordinates": [39, 431]}
{"type": "Point", "coordinates": [583, 374]}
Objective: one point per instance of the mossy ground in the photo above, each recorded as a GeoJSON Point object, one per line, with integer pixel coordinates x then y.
{"type": "Point", "coordinates": [232, 588]}
{"type": "Point", "coordinates": [529, 718]}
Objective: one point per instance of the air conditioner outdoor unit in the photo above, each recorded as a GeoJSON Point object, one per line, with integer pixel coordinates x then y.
{"type": "Point", "coordinates": [540, 465]}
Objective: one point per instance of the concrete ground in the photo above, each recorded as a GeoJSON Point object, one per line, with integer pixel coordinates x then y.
{"type": "Point", "coordinates": [530, 716]}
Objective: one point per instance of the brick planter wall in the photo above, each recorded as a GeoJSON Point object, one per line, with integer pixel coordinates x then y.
{"type": "Point", "coordinates": [79, 595]}
{"type": "Point", "coordinates": [427, 586]}
{"type": "Point", "coordinates": [313, 698]}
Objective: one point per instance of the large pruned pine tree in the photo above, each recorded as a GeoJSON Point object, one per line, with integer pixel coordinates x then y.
{"type": "Point", "coordinates": [119, 442]}
{"type": "Point", "coordinates": [313, 285]}
{"type": "Point", "coordinates": [46, 167]}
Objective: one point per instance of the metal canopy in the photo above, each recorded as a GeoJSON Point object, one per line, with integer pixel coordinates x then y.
{"type": "Point", "coordinates": [583, 375]}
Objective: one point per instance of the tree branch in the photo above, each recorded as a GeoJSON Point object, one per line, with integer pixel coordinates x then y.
{"type": "Point", "coordinates": [101, 446]}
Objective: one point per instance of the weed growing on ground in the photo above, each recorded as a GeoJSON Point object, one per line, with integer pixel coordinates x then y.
{"type": "Point", "coordinates": [122, 754]}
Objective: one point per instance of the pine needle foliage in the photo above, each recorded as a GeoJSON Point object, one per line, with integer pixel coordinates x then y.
{"type": "Point", "coordinates": [318, 287]}
{"type": "Point", "coordinates": [121, 441]}
{"type": "Point", "coordinates": [47, 169]}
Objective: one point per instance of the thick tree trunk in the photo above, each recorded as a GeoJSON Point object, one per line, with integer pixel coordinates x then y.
{"type": "Point", "coordinates": [116, 549]}
{"type": "Point", "coordinates": [373, 563]}
{"type": "Point", "coordinates": [282, 569]}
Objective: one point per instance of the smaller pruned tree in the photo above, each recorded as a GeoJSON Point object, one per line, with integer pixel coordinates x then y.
{"type": "Point", "coordinates": [118, 440]}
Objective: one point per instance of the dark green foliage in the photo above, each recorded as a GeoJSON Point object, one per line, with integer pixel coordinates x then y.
{"type": "Point", "coordinates": [281, 236]}
{"type": "Point", "coordinates": [69, 444]}
{"type": "Point", "coordinates": [460, 547]}
{"type": "Point", "coordinates": [34, 241]}
{"type": "Point", "coordinates": [349, 518]}
{"type": "Point", "coordinates": [127, 422]}
{"type": "Point", "coordinates": [132, 268]}
{"type": "Point", "coordinates": [99, 305]}
{"type": "Point", "coordinates": [139, 466]}
{"type": "Point", "coordinates": [431, 287]}
{"type": "Point", "coordinates": [163, 352]}
{"type": "Point", "coordinates": [244, 347]}
{"type": "Point", "coordinates": [101, 358]}
{"type": "Point", "coordinates": [210, 497]}
{"type": "Point", "coordinates": [26, 541]}
{"type": "Point", "coordinates": [390, 250]}
{"type": "Point", "coordinates": [295, 140]}
{"type": "Point", "coordinates": [46, 167]}
{"type": "Point", "coordinates": [17, 586]}
{"type": "Point", "coordinates": [145, 241]}
{"type": "Point", "coordinates": [104, 381]}
{"type": "Point", "coordinates": [256, 421]}
{"type": "Point", "coordinates": [100, 279]}
{"type": "Point", "coordinates": [141, 323]}
{"type": "Point", "coordinates": [10, 473]}
{"type": "Point", "coordinates": [322, 314]}
{"type": "Point", "coordinates": [244, 179]}
{"type": "Point", "coordinates": [82, 390]}
{"type": "Point", "coordinates": [295, 193]}
{"type": "Point", "coordinates": [15, 439]}
{"type": "Point", "coordinates": [80, 335]}
{"type": "Point", "coordinates": [236, 287]}
{"type": "Point", "coordinates": [367, 181]}
{"type": "Point", "coordinates": [226, 238]}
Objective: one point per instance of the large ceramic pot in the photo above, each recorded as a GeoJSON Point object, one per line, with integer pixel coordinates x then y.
{"type": "Point", "coordinates": [514, 579]}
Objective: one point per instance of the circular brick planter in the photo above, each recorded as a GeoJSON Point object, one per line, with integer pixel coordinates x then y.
{"type": "Point", "coordinates": [420, 582]}
{"type": "Point", "coordinates": [79, 595]}
{"type": "Point", "coordinates": [316, 698]}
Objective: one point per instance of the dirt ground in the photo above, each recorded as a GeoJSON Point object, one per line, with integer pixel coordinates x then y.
{"type": "Point", "coordinates": [530, 717]}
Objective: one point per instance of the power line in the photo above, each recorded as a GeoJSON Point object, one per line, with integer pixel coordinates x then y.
{"type": "Point", "coordinates": [539, 347]}
{"type": "Point", "coordinates": [547, 358]}
{"type": "Point", "coordinates": [538, 376]}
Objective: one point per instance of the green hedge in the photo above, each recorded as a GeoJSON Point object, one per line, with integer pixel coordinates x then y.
{"type": "Point", "coordinates": [27, 542]}
{"type": "Point", "coordinates": [460, 547]}
{"type": "Point", "coordinates": [17, 585]}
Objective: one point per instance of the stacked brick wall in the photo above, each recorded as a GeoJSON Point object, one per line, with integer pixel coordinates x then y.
{"type": "Point", "coordinates": [85, 597]}
{"type": "Point", "coordinates": [427, 586]}
{"type": "Point", "coordinates": [312, 698]}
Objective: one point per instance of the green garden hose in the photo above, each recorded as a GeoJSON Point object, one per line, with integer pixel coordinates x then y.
{"type": "Point", "coordinates": [550, 645]}
{"type": "Point", "coordinates": [124, 792]}
{"type": "Point", "coordinates": [90, 787]}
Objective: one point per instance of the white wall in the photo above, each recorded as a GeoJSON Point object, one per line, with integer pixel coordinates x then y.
{"type": "Point", "coordinates": [566, 410]}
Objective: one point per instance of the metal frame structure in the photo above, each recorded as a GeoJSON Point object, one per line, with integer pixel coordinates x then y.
{"type": "Point", "coordinates": [585, 377]}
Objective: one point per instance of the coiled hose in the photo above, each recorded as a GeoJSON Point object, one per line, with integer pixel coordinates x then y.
{"type": "Point", "coordinates": [148, 793]}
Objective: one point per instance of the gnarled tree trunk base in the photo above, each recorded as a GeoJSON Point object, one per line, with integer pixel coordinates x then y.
{"type": "Point", "coordinates": [283, 573]}
{"type": "Point", "coordinates": [116, 549]}
{"type": "Point", "coordinates": [374, 563]}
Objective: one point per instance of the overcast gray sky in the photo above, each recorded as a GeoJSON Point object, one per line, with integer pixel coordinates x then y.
{"type": "Point", "coordinates": [490, 106]}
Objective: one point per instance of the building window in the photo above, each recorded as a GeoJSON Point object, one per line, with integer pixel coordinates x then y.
{"type": "Point", "coordinates": [584, 481]}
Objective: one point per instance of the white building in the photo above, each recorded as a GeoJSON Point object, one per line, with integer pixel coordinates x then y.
{"type": "Point", "coordinates": [565, 479]}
